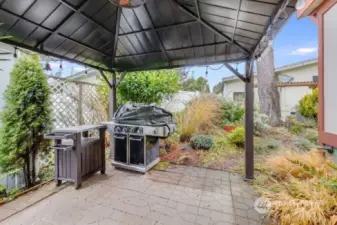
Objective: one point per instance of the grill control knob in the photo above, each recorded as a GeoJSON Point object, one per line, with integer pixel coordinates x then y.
{"type": "Point", "coordinates": [125, 129]}
{"type": "Point", "coordinates": [117, 129]}
{"type": "Point", "coordinates": [139, 130]}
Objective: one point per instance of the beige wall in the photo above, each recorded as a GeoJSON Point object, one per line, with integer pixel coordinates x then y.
{"type": "Point", "coordinates": [289, 96]}
{"type": "Point", "coordinates": [330, 70]}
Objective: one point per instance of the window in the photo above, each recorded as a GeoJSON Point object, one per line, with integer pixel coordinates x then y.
{"type": "Point", "coordinates": [238, 96]}
{"type": "Point", "coordinates": [315, 79]}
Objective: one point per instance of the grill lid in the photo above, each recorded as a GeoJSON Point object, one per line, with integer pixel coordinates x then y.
{"type": "Point", "coordinates": [143, 115]}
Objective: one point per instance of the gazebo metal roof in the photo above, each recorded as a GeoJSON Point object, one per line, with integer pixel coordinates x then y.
{"type": "Point", "coordinates": [160, 34]}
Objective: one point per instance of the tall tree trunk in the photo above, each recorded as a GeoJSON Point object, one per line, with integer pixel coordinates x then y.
{"type": "Point", "coordinates": [269, 96]}
{"type": "Point", "coordinates": [27, 170]}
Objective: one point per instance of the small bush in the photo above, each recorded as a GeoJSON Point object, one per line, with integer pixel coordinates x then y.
{"type": "Point", "coordinates": [172, 140]}
{"type": "Point", "coordinates": [202, 142]}
{"type": "Point", "coordinates": [46, 173]}
{"type": "Point", "coordinates": [309, 105]}
{"type": "Point", "coordinates": [230, 112]}
{"type": "Point", "coordinates": [296, 129]}
{"type": "Point", "coordinates": [260, 123]}
{"type": "Point", "coordinates": [303, 143]}
{"type": "Point", "coordinates": [262, 146]}
{"type": "Point", "coordinates": [14, 192]}
{"type": "Point", "coordinates": [162, 151]}
{"type": "Point", "coordinates": [312, 136]}
{"type": "Point", "coordinates": [237, 137]}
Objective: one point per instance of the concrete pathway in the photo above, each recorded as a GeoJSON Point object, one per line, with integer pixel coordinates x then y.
{"type": "Point", "coordinates": [181, 195]}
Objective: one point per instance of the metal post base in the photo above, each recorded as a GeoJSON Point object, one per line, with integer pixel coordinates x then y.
{"type": "Point", "coordinates": [137, 168]}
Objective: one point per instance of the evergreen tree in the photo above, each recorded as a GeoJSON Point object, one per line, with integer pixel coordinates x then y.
{"type": "Point", "coordinates": [25, 118]}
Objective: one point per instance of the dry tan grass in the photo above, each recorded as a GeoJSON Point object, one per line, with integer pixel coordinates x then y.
{"type": "Point", "coordinates": [198, 117]}
{"type": "Point", "coordinates": [298, 164]}
{"type": "Point", "coordinates": [302, 188]}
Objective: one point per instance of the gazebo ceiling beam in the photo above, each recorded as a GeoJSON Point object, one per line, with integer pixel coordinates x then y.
{"type": "Point", "coordinates": [170, 50]}
{"type": "Point", "coordinates": [236, 19]}
{"type": "Point", "coordinates": [160, 28]}
{"type": "Point", "coordinates": [118, 18]}
{"type": "Point", "coordinates": [51, 31]}
{"type": "Point", "coordinates": [162, 48]}
{"type": "Point", "coordinates": [64, 21]}
{"type": "Point", "coordinates": [185, 65]}
{"type": "Point", "coordinates": [21, 45]}
{"type": "Point", "coordinates": [282, 5]}
{"type": "Point", "coordinates": [236, 73]}
{"type": "Point", "coordinates": [210, 27]}
{"type": "Point", "coordinates": [85, 16]}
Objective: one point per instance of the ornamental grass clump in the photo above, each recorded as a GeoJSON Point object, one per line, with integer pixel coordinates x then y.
{"type": "Point", "coordinates": [199, 116]}
{"type": "Point", "coordinates": [301, 188]}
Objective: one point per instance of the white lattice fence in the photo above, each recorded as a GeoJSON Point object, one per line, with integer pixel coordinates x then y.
{"type": "Point", "coordinates": [74, 103]}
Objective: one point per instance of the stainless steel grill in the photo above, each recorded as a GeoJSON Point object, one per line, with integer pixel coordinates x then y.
{"type": "Point", "coordinates": [137, 147]}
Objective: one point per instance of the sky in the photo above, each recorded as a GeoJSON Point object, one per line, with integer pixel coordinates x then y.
{"type": "Point", "coordinates": [297, 41]}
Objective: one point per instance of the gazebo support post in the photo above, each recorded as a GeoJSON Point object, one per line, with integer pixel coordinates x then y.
{"type": "Point", "coordinates": [112, 96]}
{"type": "Point", "coordinates": [249, 122]}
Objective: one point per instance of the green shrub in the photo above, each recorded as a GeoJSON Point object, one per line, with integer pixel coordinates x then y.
{"type": "Point", "coordinates": [202, 142]}
{"type": "Point", "coordinates": [297, 129]}
{"type": "Point", "coordinates": [230, 112]}
{"type": "Point", "coordinates": [172, 140]}
{"type": "Point", "coordinates": [14, 192]}
{"type": "Point", "coordinates": [46, 173]}
{"type": "Point", "coordinates": [262, 146]}
{"type": "Point", "coordinates": [237, 137]}
{"type": "Point", "coordinates": [260, 123]}
{"type": "Point", "coordinates": [2, 189]}
{"type": "Point", "coordinates": [312, 136]}
{"type": "Point", "coordinates": [303, 143]}
{"type": "Point", "coordinates": [308, 104]}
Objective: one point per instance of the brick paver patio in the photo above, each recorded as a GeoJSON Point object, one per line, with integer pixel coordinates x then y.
{"type": "Point", "coordinates": [181, 195]}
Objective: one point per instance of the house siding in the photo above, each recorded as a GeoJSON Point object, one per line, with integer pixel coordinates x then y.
{"type": "Point", "coordinates": [289, 96]}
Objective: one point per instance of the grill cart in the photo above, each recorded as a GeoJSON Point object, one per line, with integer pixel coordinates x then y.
{"type": "Point", "coordinates": [135, 131]}
{"type": "Point", "coordinates": [77, 155]}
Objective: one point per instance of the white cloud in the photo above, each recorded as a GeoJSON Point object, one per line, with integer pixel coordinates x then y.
{"type": "Point", "coordinates": [304, 51]}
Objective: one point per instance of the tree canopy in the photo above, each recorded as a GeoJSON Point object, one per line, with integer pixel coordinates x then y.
{"type": "Point", "coordinates": [199, 84]}
{"type": "Point", "coordinates": [218, 88]}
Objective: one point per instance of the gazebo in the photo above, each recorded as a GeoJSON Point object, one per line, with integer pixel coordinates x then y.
{"type": "Point", "coordinates": [132, 35]}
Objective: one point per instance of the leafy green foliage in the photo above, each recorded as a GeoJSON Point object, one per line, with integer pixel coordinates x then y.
{"type": "Point", "coordinates": [199, 84]}
{"type": "Point", "coordinates": [149, 86]}
{"type": "Point", "coordinates": [218, 88]}
{"type": "Point", "coordinates": [2, 189]}
{"type": "Point", "coordinates": [25, 118]}
{"type": "Point", "coordinates": [312, 136]}
{"type": "Point", "coordinates": [230, 112]}
{"type": "Point", "coordinates": [46, 173]}
{"type": "Point", "coordinates": [296, 129]}
{"type": "Point", "coordinates": [303, 143]}
{"type": "Point", "coordinates": [237, 137]}
{"type": "Point", "coordinates": [172, 140]}
{"type": "Point", "coordinates": [260, 123]}
{"type": "Point", "coordinates": [262, 146]}
{"type": "Point", "coordinates": [14, 192]}
{"type": "Point", "coordinates": [309, 105]}
{"type": "Point", "coordinates": [202, 142]}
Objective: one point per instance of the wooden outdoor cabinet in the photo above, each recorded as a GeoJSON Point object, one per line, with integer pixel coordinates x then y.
{"type": "Point", "coordinates": [77, 155]}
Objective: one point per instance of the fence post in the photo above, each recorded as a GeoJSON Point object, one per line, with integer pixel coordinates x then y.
{"type": "Point", "coordinates": [80, 105]}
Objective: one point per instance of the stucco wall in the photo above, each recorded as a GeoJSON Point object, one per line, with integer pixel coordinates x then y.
{"type": "Point", "coordinates": [330, 70]}
{"type": "Point", "coordinates": [289, 96]}
{"type": "Point", "coordinates": [6, 67]}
